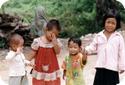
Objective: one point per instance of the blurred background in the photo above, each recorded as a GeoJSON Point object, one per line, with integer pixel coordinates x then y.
{"type": "Point", "coordinates": [78, 18]}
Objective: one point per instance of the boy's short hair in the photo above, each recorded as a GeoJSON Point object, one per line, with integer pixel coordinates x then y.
{"type": "Point", "coordinates": [75, 40]}
{"type": "Point", "coordinates": [14, 39]}
{"type": "Point", "coordinates": [53, 23]}
{"type": "Point", "coordinates": [113, 14]}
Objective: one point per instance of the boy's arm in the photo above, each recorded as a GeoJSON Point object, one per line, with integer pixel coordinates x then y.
{"type": "Point", "coordinates": [84, 59]}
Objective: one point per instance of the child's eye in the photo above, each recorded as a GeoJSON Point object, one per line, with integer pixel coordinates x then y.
{"type": "Point", "coordinates": [108, 21]}
{"type": "Point", "coordinates": [76, 47]}
{"type": "Point", "coordinates": [70, 46]}
{"type": "Point", "coordinates": [113, 23]}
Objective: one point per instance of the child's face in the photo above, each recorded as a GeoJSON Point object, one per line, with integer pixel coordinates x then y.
{"type": "Point", "coordinates": [52, 33]}
{"type": "Point", "coordinates": [110, 25]}
{"type": "Point", "coordinates": [73, 48]}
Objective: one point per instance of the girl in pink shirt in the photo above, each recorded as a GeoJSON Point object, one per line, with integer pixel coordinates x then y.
{"type": "Point", "coordinates": [110, 48]}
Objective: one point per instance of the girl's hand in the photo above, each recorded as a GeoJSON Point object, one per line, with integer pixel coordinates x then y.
{"type": "Point", "coordinates": [54, 40]}
{"type": "Point", "coordinates": [122, 71]}
{"type": "Point", "coordinates": [30, 64]}
{"type": "Point", "coordinates": [50, 35]}
{"type": "Point", "coordinates": [55, 44]}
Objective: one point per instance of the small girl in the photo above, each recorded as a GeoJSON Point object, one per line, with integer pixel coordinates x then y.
{"type": "Point", "coordinates": [110, 47]}
{"type": "Point", "coordinates": [74, 63]}
{"type": "Point", "coordinates": [45, 50]}
{"type": "Point", "coordinates": [16, 59]}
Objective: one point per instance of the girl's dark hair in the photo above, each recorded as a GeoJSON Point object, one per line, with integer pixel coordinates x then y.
{"type": "Point", "coordinates": [53, 23]}
{"type": "Point", "coordinates": [113, 14]}
{"type": "Point", "coordinates": [75, 40]}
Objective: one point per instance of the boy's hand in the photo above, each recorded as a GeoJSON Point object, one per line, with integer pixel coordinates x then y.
{"type": "Point", "coordinates": [84, 58]}
{"type": "Point", "coordinates": [19, 50]}
{"type": "Point", "coordinates": [84, 52]}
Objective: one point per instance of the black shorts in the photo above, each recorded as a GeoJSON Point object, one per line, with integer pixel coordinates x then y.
{"type": "Point", "coordinates": [106, 77]}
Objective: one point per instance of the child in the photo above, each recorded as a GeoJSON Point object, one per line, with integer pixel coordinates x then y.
{"type": "Point", "coordinates": [45, 49]}
{"type": "Point", "coordinates": [110, 48]}
{"type": "Point", "coordinates": [17, 72]}
{"type": "Point", "coordinates": [74, 63]}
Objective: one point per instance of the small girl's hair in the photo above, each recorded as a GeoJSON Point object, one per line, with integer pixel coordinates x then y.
{"type": "Point", "coordinates": [14, 39]}
{"type": "Point", "coordinates": [75, 40]}
{"type": "Point", "coordinates": [113, 14]}
{"type": "Point", "coordinates": [53, 23]}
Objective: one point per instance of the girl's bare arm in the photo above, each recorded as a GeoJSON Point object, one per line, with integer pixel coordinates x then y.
{"type": "Point", "coordinates": [31, 54]}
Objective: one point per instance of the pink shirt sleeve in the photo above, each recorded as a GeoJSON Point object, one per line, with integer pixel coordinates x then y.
{"type": "Point", "coordinates": [121, 54]}
{"type": "Point", "coordinates": [92, 47]}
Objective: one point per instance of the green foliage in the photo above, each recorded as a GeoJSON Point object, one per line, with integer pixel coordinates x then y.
{"type": "Point", "coordinates": [3, 42]}
{"type": "Point", "coordinates": [103, 7]}
{"type": "Point", "coordinates": [77, 17]}
{"type": "Point", "coordinates": [122, 11]}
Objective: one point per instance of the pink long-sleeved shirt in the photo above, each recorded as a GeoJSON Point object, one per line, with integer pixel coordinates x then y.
{"type": "Point", "coordinates": [110, 53]}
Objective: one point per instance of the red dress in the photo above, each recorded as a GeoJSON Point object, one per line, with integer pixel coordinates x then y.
{"type": "Point", "coordinates": [46, 71]}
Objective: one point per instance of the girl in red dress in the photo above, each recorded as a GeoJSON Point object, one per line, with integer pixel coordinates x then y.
{"type": "Point", "coordinates": [45, 48]}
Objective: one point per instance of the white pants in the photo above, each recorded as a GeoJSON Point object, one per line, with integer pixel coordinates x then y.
{"type": "Point", "coordinates": [18, 80]}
